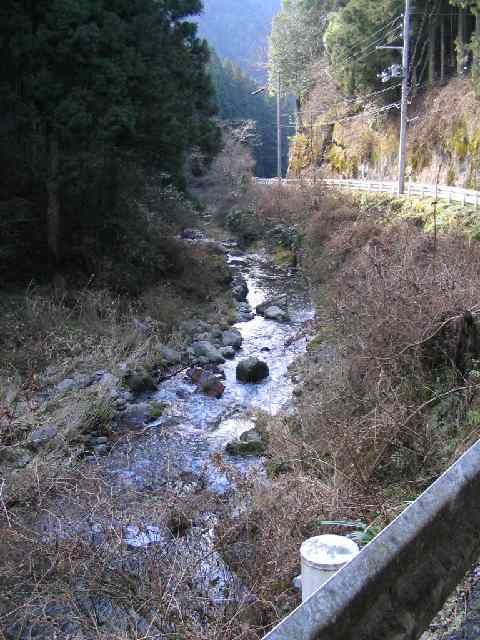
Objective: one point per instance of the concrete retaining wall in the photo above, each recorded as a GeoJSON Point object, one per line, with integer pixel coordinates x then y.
{"type": "Point", "coordinates": [395, 586]}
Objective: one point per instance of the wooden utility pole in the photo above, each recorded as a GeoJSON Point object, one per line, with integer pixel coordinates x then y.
{"type": "Point", "coordinates": [279, 130]}
{"type": "Point", "coordinates": [404, 103]}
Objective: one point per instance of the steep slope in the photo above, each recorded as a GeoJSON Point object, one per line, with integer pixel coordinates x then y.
{"type": "Point", "coordinates": [239, 31]}
{"type": "Point", "coordinates": [233, 89]}
{"type": "Point", "coordinates": [443, 140]}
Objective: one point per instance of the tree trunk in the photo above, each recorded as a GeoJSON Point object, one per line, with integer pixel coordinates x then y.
{"type": "Point", "coordinates": [432, 32]}
{"type": "Point", "coordinates": [442, 50]}
{"type": "Point", "coordinates": [461, 42]}
{"type": "Point", "coordinates": [53, 207]}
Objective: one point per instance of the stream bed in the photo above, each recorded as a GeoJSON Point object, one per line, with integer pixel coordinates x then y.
{"type": "Point", "coordinates": [195, 425]}
{"type": "Point", "coordinates": [182, 456]}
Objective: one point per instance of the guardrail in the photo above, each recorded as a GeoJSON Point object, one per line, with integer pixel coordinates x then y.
{"type": "Point", "coordinates": [444, 192]}
{"type": "Point", "coordinates": [398, 582]}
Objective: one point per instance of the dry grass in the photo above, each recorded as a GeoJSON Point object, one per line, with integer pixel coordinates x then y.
{"type": "Point", "coordinates": [46, 335]}
{"type": "Point", "coordinates": [66, 569]}
{"type": "Point", "coordinates": [390, 387]}
{"type": "Point", "coordinates": [396, 402]}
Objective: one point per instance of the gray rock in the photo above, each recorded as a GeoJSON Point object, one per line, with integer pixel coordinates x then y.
{"type": "Point", "coordinates": [134, 416]}
{"type": "Point", "coordinates": [274, 302]}
{"type": "Point", "coordinates": [42, 435]}
{"type": "Point", "coordinates": [169, 355]}
{"type": "Point", "coordinates": [228, 352]}
{"type": "Point", "coordinates": [66, 385]}
{"type": "Point", "coordinates": [205, 349]}
{"type": "Point", "coordinates": [232, 338]}
{"type": "Point", "coordinates": [211, 386]}
{"type": "Point", "coordinates": [252, 370]}
{"type": "Point", "coordinates": [275, 313]}
{"type": "Point", "coordinates": [250, 443]}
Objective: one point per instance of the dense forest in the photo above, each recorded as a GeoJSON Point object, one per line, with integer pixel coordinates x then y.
{"type": "Point", "coordinates": [238, 31]}
{"type": "Point", "coordinates": [339, 39]}
{"type": "Point", "coordinates": [97, 99]}
{"type": "Point", "coordinates": [238, 101]}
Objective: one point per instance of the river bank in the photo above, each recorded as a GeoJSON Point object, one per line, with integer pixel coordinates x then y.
{"type": "Point", "coordinates": [155, 481]}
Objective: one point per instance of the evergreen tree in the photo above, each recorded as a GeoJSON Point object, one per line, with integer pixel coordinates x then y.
{"type": "Point", "coordinates": [90, 86]}
{"type": "Point", "coordinates": [235, 103]}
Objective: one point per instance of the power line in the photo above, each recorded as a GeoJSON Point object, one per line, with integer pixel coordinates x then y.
{"type": "Point", "coordinates": [348, 101]}
{"type": "Point", "coordinates": [357, 57]}
{"type": "Point", "coordinates": [381, 29]}
{"type": "Point", "coordinates": [364, 114]}
{"type": "Point", "coordinates": [386, 27]}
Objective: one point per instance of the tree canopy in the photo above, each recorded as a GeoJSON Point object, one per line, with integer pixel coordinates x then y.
{"type": "Point", "coordinates": [445, 39]}
{"type": "Point", "coordinates": [94, 91]}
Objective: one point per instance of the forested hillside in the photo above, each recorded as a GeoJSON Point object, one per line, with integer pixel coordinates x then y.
{"type": "Point", "coordinates": [348, 114]}
{"type": "Point", "coordinates": [98, 99]}
{"type": "Point", "coordinates": [234, 91]}
{"type": "Point", "coordinates": [239, 30]}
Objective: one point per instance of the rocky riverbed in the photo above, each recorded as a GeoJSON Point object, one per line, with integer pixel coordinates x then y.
{"type": "Point", "coordinates": [177, 444]}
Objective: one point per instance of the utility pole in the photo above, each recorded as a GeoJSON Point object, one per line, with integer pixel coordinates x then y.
{"type": "Point", "coordinates": [279, 123]}
{"type": "Point", "coordinates": [279, 130]}
{"type": "Point", "coordinates": [404, 103]}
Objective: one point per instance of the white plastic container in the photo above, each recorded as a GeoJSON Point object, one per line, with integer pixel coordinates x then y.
{"type": "Point", "coordinates": [322, 557]}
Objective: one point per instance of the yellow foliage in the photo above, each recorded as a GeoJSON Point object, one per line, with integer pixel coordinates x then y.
{"type": "Point", "coordinates": [301, 153]}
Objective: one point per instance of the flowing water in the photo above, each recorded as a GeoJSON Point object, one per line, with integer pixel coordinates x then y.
{"type": "Point", "coordinates": [179, 452]}
{"type": "Point", "coordinates": [195, 425]}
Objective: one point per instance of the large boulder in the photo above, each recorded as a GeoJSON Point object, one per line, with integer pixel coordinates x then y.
{"type": "Point", "coordinates": [134, 416]}
{"type": "Point", "coordinates": [250, 443]}
{"type": "Point", "coordinates": [205, 349]}
{"type": "Point", "coordinates": [281, 302]}
{"type": "Point", "coordinates": [240, 289]}
{"type": "Point", "coordinates": [168, 355]}
{"type": "Point", "coordinates": [252, 370]}
{"type": "Point", "coordinates": [232, 338]}
{"type": "Point", "coordinates": [275, 313]}
{"type": "Point", "coordinates": [139, 381]}
{"type": "Point", "coordinates": [211, 386]}
{"type": "Point", "coordinates": [42, 436]}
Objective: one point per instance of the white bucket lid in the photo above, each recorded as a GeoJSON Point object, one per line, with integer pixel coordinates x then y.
{"type": "Point", "coordinates": [328, 552]}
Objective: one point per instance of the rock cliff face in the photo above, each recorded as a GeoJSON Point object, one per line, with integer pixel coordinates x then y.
{"type": "Point", "coordinates": [443, 141]}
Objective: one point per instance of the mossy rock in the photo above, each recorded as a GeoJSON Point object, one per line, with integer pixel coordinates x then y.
{"type": "Point", "coordinates": [139, 381]}
{"type": "Point", "coordinates": [157, 409]}
{"type": "Point", "coordinates": [250, 443]}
